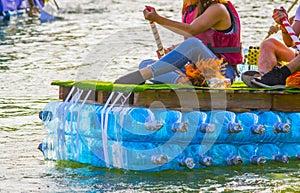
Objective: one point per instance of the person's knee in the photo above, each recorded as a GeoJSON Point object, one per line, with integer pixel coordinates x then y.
{"type": "Point", "coordinates": [269, 44]}
{"type": "Point", "coordinates": [146, 63]}
{"type": "Point", "coordinates": [194, 42]}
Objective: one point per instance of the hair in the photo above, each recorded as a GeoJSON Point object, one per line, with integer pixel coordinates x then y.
{"type": "Point", "coordinates": [204, 4]}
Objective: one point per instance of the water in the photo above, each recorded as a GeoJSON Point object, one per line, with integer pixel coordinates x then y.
{"type": "Point", "coordinates": [103, 39]}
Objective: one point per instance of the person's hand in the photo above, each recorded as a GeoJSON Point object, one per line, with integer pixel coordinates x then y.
{"type": "Point", "coordinates": [274, 29]}
{"type": "Point", "coordinates": [279, 14]}
{"type": "Point", "coordinates": [291, 19]}
{"type": "Point", "coordinates": [169, 49]}
{"type": "Point", "coordinates": [150, 13]}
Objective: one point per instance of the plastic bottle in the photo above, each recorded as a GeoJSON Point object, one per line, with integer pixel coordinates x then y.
{"type": "Point", "coordinates": [49, 147]}
{"type": "Point", "coordinates": [293, 119]}
{"type": "Point", "coordinates": [252, 130]}
{"type": "Point", "coordinates": [249, 154]}
{"type": "Point", "coordinates": [172, 121]}
{"type": "Point", "coordinates": [138, 156]}
{"type": "Point", "coordinates": [219, 83]}
{"type": "Point", "coordinates": [187, 162]}
{"type": "Point", "coordinates": [224, 154]}
{"type": "Point", "coordinates": [199, 128]}
{"type": "Point", "coordinates": [141, 124]}
{"type": "Point", "coordinates": [87, 122]}
{"type": "Point", "coordinates": [51, 123]}
{"type": "Point", "coordinates": [292, 149]}
{"type": "Point", "coordinates": [268, 119]}
{"type": "Point", "coordinates": [234, 160]}
{"type": "Point", "coordinates": [272, 152]}
{"type": "Point", "coordinates": [227, 128]}
{"type": "Point", "coordinates": [198, 153]}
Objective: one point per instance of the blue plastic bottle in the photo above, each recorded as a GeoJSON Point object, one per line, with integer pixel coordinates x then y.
{"type": "Point", "coordinates": [227, 129]}
{"type": "Point", "coordinates": [224, 154]}
{"type": "Point", "coordinates": [290, 149]}
{"type": "Point", "coordinates": [252, 130]}
{"type": "Point", "coordinates": [293, 119]}
{"type": "Point", "coordinates": [249, 154]}
{"type": "Point", "coordinates": [198, 126]}
{"type": "Point", "coordinates": [272, 152]}
{"type": "Point", "coordinates": [198, 152]}
{"type": "Point", "coordinates": [271, 120]}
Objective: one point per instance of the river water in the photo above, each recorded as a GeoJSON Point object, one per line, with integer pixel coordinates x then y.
{"type": "Point", "coordinates": [103, 39]}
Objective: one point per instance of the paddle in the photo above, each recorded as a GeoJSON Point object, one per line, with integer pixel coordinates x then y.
{"type": "Point", "coordinates": [160, 49]}
{"type": "Point", "coordinates": [289, 29]}
{"type": "Point", "coordinates": [56, 4]}
{"type": "Point", "coordinates": [290, 8]}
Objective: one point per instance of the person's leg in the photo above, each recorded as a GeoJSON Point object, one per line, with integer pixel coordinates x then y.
{"type": "Point", "coordinates": [277, 76]}
{"type": "Point", "coordinates": [271, 52]}
{"type": "Point", "coordinates": [167, 78]}
{"type": "Point", "coordinates": [190, 50]}
{"type": "Point", "coordinates": [294, 65]}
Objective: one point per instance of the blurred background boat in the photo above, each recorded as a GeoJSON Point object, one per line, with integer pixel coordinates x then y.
{"type": "Point", "coordinates": [45, 10]}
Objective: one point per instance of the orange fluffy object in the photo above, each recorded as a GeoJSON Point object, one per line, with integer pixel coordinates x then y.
{"type": "Point", "coordinates": [204, 70]}
{"type": "Point", "coordinates": [293, 81]}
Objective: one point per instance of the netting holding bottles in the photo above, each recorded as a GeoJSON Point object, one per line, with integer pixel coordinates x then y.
{"type": "Point", "coordinates": [144, 139]}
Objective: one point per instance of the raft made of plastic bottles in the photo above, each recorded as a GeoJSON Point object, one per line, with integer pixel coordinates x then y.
{"type": "Point", "coordinates": [143, 139]}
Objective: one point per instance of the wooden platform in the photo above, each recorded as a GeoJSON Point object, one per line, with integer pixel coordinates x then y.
{"type": "Point", "coordinates": [206, 99]}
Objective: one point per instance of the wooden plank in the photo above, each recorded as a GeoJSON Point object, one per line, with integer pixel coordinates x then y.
{"type": "Point", "coordinates": [63, 92]}
{"type": "Point", "coordinates": [286, 102]}
{"type": "Point", "coordinates": [188, 99]}
{"type": "Point", "coordinates": [152, 99]}
{"type": "Point", "coordinates": [206, 100]}
{"type": "Point", "coordinates": [249, 100]}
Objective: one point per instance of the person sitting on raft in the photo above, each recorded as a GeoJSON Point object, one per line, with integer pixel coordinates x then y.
{"type": "Point", "coordinates": [211, 29]}
{"type": "Point", "coordinates": [274, 51]}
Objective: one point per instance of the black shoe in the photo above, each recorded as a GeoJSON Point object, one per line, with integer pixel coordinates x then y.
{"type": "Point", "coordinates": [248, 76]}
{"type": "Point", "coordinates": [273, 79]}
{"type": "Point", "coordinates": [131, 78]}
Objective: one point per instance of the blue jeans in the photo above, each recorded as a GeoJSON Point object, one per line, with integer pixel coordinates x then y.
{"type": "Point", "coordinates": [191, 50]}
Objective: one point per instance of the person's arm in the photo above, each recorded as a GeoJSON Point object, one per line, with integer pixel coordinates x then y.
{"type": "Point", "coordinates": [278, 15]}
{"type": "Point", "coordinates": [215, 16]}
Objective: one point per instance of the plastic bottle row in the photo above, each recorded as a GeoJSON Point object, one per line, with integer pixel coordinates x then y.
{"type": "Point", "coordinates": [162, 125]}
{"type": "Point", "coordinates": [145, 156]}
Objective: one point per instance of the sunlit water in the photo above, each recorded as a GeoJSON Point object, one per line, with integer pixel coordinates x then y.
{"type": "Point", "coordinates": [103, 39]}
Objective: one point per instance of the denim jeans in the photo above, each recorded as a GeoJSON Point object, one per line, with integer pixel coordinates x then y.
{"type": "Point", "coordinates": [191, 50]}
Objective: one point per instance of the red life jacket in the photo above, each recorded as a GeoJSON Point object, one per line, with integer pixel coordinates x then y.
{"type": "Point", "coordinates": [226, 46]}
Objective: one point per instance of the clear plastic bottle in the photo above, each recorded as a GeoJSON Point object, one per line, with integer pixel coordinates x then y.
{"type": "Point", "coordinates": [51, 125]}
{"type": "Point", "coordinates": [219, 83]}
